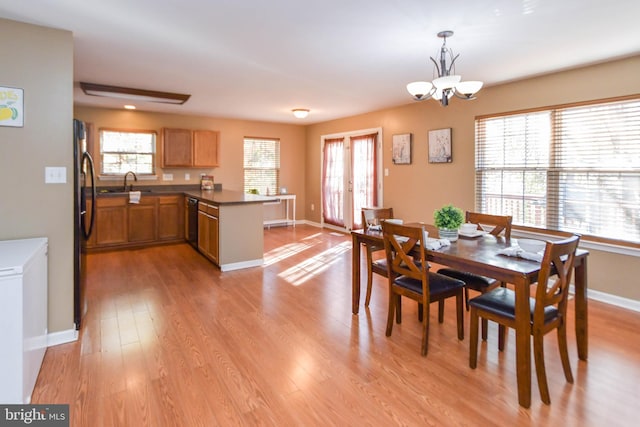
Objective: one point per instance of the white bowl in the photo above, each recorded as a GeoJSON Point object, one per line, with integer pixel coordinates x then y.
{"type": "Point", "coordinates": [532, 245]}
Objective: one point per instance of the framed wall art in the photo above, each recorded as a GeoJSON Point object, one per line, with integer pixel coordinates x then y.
{"type": "Point", "coordinates": [440, 146]}
{"type": "Point", "coordinates": [401, 149]}
{"type": "Point", "coordinates": [11, 107]}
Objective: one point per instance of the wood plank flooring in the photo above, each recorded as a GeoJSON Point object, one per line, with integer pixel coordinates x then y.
{"type": "Point", "coordinates": [169, 340]}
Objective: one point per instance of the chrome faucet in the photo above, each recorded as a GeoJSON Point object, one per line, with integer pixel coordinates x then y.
{"type": "Point", "coordinates": [125, 180]}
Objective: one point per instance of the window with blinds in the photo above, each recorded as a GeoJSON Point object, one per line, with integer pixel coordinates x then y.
{"type": "Point", "coordinates": [573, 169]}
{"type": "Point", "coordinates": [261, 165]}
{"type": "Point", "coordinates": [124, 151]}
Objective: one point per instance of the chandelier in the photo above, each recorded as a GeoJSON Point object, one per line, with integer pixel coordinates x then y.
{"type": "Point", "coordinates": [446, 84]}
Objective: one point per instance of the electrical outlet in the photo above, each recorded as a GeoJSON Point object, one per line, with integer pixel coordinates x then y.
{"type": "Point", "coordinates": [313, 207]}
{"type": "Point", "coordinates": [187, 176]}
{"type": "Point", "coordinates": [386, 171]}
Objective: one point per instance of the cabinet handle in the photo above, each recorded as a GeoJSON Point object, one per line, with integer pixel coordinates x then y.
{"type": "Point", "coordinates": [208, 216]}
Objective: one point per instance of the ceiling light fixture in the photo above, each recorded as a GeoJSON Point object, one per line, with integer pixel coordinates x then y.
{"type": "Point", "coordinates": [300, 113]}
{"type": "Point", "coordinates": [131, 93]}
{"type": "Point", "coordinates": [446, 84]}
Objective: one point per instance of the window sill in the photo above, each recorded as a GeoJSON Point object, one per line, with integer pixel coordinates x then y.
{"type": "Point", "coordinates": [585, 243]}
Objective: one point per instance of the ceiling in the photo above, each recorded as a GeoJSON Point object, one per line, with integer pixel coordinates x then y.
{"type": "Point", "coordinates": [258, 60]}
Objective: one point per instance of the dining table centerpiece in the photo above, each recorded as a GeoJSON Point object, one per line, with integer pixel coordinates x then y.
{"type": "Point", "coordinates": [448, 220]}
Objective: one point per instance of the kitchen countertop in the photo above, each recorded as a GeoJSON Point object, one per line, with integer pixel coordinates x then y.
{"type": "Point", "coordinates": [228, 197]}
{"type": "Point", "coordinates": [157, 190]}
{"type": "Point", "coordinates": [216, 197]}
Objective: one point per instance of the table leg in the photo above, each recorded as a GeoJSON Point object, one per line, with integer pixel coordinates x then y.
{"type": "Point", "coordinates": [580, 285]}
{"type": "Point", "coordinates": [355, 275]}
{"type": "Point", "coordinates": [523, 344]}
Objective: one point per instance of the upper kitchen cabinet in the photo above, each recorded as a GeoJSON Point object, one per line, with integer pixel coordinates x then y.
{"type": "Point", "coordinates": [184, 148]}
{"type": "Point", "coordinates": [205, 148]}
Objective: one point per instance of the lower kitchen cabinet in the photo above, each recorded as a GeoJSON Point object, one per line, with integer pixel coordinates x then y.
{"type": "Point", "coordinates": [111, 221]}
{"type": "Point", "coordinates": [171, 217]}
{"type": "Point", "coordinates": [156, 219]}
{"type": "Point", "coordinates": [143, 220]}
{"type": "Point", "coordinates": [209, 231]}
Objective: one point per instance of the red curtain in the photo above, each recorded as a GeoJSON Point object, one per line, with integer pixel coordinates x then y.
{"type": "Point", "coordinates": [333, 182]}
{"type": "Point", "coordinates": [364, 156]}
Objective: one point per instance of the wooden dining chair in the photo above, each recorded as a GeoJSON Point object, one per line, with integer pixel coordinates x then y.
{"type": "Point", "coordinates": [500, 225]}
{"type": "Point", "coordinates": [374, 217]}
{"type": "Point", "coordinates": [548, 309]}
{"type": "Point", "coordinates": [409, 276]}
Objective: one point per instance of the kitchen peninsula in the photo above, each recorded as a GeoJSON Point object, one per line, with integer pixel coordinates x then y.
{"type": "Point", "coordinates": [226, 226]}
{"type": "Point", "coordinates": [230, 227]}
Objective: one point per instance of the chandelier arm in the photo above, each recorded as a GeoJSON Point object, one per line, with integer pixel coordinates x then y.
{"type": "Point", "coordinates": [453, 61]}
{"type": "Point", "coordinates": [436, 64]}
{"type": "Point", "coordinates": [427, 96]}
{"type": "Point", "coordinates": [462, 96]}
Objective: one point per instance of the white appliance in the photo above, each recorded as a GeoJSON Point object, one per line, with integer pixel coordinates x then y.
{"type": "Point", "coordinates": [23, 316]}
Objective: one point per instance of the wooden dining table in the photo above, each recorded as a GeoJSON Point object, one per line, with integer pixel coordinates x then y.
{"type": "Point", "coordinates": [480, 255]}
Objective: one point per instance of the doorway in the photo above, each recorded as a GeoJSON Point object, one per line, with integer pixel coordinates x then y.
{"type": "Point", "coordinates": [351, 177]}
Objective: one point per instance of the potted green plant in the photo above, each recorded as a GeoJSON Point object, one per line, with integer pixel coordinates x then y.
{"type": "Point", "coordinates": [448, 219]}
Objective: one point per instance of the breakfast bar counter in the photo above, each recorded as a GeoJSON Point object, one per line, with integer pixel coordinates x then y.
{"type": "Point", "coordinates": [230, 227]}
{"type": "Point", "coordinates": [228, 197]}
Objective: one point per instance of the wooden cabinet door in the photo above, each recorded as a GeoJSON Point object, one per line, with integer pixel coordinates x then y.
{"type": "Point", "coordinates": [143, 220]}
{"type": "Point", "coordinates": [214, 239]}
{"type": "Point", "coordinates": [177, 149]}
{"type": "Point", "coordinates": [203, 232]}
{"type": "Point", "coordinates": [111, 221]}
{"type": "Point", "coordinates": [205, 148]}
{"type": "Point", "coordinates": [171, 217]}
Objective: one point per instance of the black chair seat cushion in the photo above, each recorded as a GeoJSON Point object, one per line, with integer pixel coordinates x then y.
{"type": "Point", "coordinates": [473, 281]}
{"type": "Point", "coordinates": [438, 284]}
{"type": "Point", "coordinates": [502, 301]}
{"type": "Point", "coordinates": [380, 266]}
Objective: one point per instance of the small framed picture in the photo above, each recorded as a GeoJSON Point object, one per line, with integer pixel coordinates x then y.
{"type": "Point", "coordinates": [401, 149]}
{"type": "Point", "coordinates": [440, 146]}
{"type": "Point", "coordinates": [11, 107]}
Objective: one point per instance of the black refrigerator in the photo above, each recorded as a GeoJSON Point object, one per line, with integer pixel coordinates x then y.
{"type": "Point", "coordinates": [84, 186]}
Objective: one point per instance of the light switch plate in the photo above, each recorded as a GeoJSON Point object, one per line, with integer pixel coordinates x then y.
{"type": "Point", "coordinates": [187, 176]}
{"type": "Point", "coordinates": [167, 177]}
{"type": "Point", "coordinates": [55, 175]}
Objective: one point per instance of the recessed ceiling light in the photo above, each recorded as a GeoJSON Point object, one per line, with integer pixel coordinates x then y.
{"type": "Point", "coordinates": [300, 113]}
{"type": "Point", "coordinates": [131, 93]}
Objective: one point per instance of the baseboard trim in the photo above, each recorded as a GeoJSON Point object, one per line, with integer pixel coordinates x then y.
{"type": "Point", "coordinates": [621, 302]}
{"type": "Point", "coordinates": [62, 337]}
{"type": "Point", "coordinates": [244, 264]}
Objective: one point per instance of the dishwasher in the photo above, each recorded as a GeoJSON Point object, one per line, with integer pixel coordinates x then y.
{"type": "Point", "coordinates": [192, 221]}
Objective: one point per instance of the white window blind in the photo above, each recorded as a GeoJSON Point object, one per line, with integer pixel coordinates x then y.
{"type": "Point", "coordinates": [262, 165]}
{"type": "Point", "coordinates": [124, 151]}
{"type": "Point", "coordinates": [573, 169]}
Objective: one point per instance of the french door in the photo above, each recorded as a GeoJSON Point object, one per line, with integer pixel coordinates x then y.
{"type": "Point", "coordinates": [351, 178]}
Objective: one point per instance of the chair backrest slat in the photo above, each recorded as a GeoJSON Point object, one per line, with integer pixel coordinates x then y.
{"type": "Point", "coordinates": [374, 215]}
{"type": "Point", "coordinates": [500, 223]}
{"type": "Point", "coordinates": [555, 276]}
{"type": "Point", "coordinates": [402, 244]}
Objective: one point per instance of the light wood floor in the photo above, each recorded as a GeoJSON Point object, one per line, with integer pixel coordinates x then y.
{"type": "Point", "coordinates": [169, 340]}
